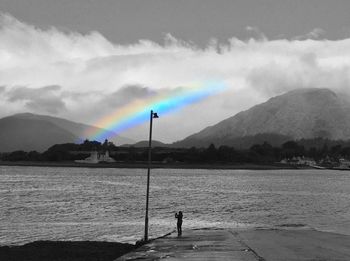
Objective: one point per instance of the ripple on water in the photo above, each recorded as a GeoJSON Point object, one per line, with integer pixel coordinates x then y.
{"type": "Point", "coordinates": [108, 204]}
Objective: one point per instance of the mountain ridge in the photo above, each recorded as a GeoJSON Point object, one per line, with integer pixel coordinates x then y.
{"type": "Point", "coordinates": [302, 113]}
{"type": "Point", "coordinates": [28, 132]}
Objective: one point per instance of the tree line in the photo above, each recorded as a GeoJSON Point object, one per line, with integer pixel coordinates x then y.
{"type": "Point", "coordinates": [264, 153]}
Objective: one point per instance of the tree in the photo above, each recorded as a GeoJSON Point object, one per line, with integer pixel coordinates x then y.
{"type": "Point", "coordinates": [18, 155]}
{"type": "Point", "coordinates": [210, 153]}
{"type": "Point", "coordinates": [292, 149]}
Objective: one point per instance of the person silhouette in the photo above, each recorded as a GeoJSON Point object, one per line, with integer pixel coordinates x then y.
{"type": "Point", "coordinates": [179, 222]}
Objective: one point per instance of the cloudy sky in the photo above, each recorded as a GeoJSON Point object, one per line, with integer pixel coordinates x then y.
{"type": "Point", "coordinates": [83, 59]}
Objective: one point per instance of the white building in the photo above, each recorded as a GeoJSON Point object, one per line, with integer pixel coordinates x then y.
{"type": "Point", "coordinates": [96, 157]}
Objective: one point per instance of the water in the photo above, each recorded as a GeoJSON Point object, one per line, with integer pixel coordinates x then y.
{"type": "Point", "coordinates": [46, 203]}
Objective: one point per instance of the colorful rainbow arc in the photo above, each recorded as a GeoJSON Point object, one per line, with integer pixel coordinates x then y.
{"type": "Point", "coordinates": [137, 112]}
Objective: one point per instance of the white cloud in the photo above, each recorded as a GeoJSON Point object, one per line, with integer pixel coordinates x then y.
{"type": "Point", "coordinates": [316, 33]}
{"type": "Point", "coordinates": [256, 32]}
{"type": "Point", "coordinates": [93, 74]}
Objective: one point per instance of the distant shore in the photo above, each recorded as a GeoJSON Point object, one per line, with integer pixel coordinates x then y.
{"type": "Point", "coordinates": [155, 165]}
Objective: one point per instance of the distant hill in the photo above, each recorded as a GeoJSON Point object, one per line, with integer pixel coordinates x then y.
{"type": "Point", "coordinates": [27, 131]}
{"type": "Point", "coordinates": [144, 144]}
{"type": "Point", "coordinates": [303, 113]}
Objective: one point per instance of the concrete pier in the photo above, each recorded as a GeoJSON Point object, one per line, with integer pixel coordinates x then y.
{"type": "Point", "coordinates": [246, 245]}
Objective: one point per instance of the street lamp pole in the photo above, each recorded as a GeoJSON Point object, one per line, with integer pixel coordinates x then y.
{"type": "Point", "coordinates": [152, 115]}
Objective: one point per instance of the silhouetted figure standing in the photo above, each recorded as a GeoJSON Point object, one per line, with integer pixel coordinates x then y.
{"type": "Point", "coordinates": [179, 222]}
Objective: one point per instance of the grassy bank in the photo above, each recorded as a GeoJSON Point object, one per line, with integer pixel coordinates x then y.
{"type": "Point", "coordinates": [65, 251]}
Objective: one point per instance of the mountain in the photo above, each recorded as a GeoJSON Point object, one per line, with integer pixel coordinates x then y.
{"type": "Point", "coordinates": [27, 131]}
{"type": "Point", "coordinates": [303, 113]}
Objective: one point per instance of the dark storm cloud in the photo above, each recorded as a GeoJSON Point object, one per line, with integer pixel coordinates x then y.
{"type": "Point", "coordinates": [43, 99]}
{"type": "Point", "coordinates": [128, 21]}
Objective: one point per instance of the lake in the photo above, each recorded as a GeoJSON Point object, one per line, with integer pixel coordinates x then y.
{"type": "Point", "coordinates": [48, 203]}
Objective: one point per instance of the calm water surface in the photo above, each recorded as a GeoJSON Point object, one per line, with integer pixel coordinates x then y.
{"type": "Point", "coordinates": [45, 203]}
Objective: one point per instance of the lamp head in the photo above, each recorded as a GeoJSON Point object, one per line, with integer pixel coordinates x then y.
{"type": "Point", "coordinates": [155, 115]}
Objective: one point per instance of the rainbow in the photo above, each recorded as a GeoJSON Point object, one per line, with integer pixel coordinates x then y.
{"type": "Point", "coordinates": [138, 112]}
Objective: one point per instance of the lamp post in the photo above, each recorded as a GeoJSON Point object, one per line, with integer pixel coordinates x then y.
{"type": "Point", "coordinates": [152, 115]}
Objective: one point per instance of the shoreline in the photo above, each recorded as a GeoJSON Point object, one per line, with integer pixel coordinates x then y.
{"type": "Point", "coordinates": [156, 165]}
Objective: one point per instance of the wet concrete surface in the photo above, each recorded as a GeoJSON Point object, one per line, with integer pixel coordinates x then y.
{"type": "Point", "coordinates": [204, 244]}
{"type": "Point", "coordinates": [246, 245]}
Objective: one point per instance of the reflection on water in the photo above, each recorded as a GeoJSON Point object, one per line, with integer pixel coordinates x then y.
{"type": "Point", "coordinates": [108, 204]}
